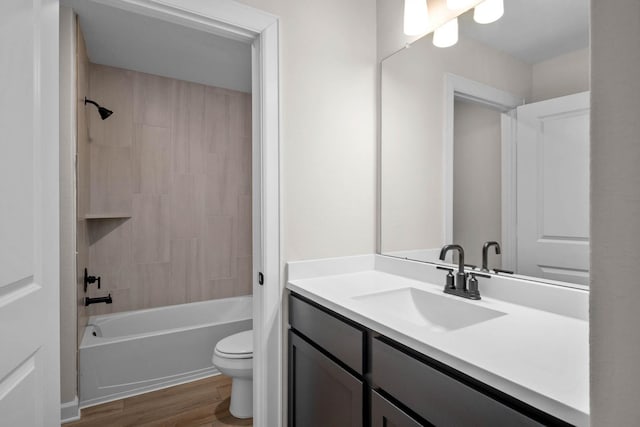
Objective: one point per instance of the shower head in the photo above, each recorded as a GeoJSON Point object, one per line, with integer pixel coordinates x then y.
{"type": "Point", "coordinates": [104, 112]}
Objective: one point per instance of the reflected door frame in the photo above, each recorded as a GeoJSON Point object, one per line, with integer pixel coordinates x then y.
{"type": "Point", "coordinates": [461, 88]}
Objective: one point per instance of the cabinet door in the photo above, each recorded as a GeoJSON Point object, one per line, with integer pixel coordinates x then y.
{"type": "Point", "coordinates": [338, 337]}
{"type": "Point", "coordinates": [436, 396]}
{"type": "Point", "coordinates": [386, 414]}
{"type": "Point", "coordinates": [321, 393]}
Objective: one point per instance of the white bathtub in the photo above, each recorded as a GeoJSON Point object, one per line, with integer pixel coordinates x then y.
{"type": "Point", "coordinates": [129, 353]}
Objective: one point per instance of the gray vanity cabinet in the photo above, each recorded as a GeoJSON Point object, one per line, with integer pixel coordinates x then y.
{"type": "Point", "coordinates": [386, 414]}
{"type": "Point", "coordinates": [434, 395]}
{"type": "Point", "coordinates": [343, 374]}
{"type": "Point", "coordinates": [326, 387]}
{"type": "Point", "coordinates": [321, 392]}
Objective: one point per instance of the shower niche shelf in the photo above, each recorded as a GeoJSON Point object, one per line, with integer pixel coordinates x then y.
{"type": "Point", "coordinates": [96, 216]}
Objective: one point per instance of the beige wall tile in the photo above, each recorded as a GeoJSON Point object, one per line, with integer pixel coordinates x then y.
{"type": "Point", "coordinates": [152, 100]}
{"type": "Point", "coordinates": [244, 283]}
{"type": "Point", "coordinates": [150, 228]}
{"type": "Point", "coordinates": [220, 247]}
{"type": "Point", "coordinates": [151, 159]}
{"type": "Point", "coordinates": [112, 88]}
{"type": "Point", "coordinates": [217, 191]}
{"type": "Point", "coordinates": [110, 179]}
{"type": "Point", "coordinates": [221, 288]}
{"type": "Point", "coordinates": [188, 128]}
{"type": "Point", "coordinates": [187, 206]}
{"type": "Point", "coordinates": [245, 244]}
{"type": "Point", "coordinates": [176, 169]}
{"type": "Point", "coordinates": [217, 123]}
{"type": "Point", "coordinates": [196, 125]}
{"type": "Point", "coordinates": [237, 116]}
{"type": "Point", "coordinates": [111, 253]}
{"type": "Point", "coordinates": [186, 268]}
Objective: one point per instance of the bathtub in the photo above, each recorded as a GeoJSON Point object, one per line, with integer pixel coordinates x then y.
{"type": "Point", "coordinates": [128, 353]}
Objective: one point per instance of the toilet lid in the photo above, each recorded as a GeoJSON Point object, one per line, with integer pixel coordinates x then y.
{"type": "Point", "coordinates": [240, 343]}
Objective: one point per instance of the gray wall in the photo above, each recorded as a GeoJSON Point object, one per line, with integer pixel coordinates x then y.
{"type": "Point", "coordinates": [327, 126]}
{"type": "Point", "coordinates": [477, 179]}
{"type": "Point", "coordinates": [411, 129]}
{"type": "Point", "coordinates": [615, 213]}
{"type": "Point", "coordinates": [563, 75]}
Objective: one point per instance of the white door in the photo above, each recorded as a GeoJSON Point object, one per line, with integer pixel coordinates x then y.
{"type": "Point", "coordinates": [553, 189]}
{"type": "Point", "coordinates": [29, 252]}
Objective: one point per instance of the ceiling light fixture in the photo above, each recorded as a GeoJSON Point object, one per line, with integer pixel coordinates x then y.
{"type": "Point", "coordinates": [416, 17]}
{"type": "Point", "coordinates": [447, 34]}
{"type": "Point", "coordinates": [488, 11]}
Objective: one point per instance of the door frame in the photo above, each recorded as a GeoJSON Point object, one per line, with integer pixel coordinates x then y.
{"type": "Point", "coordinates": [457, 87]}
{"type": "Point", "coordinates": [230, 19]}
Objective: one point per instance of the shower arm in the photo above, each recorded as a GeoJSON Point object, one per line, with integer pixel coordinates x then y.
{"type": "Point", "coordinates": [88, 101]}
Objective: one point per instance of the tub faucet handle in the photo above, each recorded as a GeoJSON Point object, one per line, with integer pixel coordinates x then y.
{"type": "Point", "coordinates": [90, 279]}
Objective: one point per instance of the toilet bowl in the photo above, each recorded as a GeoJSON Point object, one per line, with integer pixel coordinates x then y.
{"type": "Point", "coordinates": [233, 356]}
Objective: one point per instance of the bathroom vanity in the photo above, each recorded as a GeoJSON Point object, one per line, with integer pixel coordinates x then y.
{"type": "Point", "coordinates": [371, 345]}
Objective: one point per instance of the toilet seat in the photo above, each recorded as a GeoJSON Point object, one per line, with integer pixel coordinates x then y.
{"type": "Point", "coordinates": [236, 346]}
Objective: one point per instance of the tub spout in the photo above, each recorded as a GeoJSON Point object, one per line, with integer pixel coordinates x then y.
{"type": "Point", "coordinates": [106, 300]}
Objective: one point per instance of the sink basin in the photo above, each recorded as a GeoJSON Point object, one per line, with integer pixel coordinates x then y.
{"type": "Point", "coordinates": [440, 313]}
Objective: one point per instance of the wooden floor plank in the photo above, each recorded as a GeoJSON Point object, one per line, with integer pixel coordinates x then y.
{"type": "Point", "coordinates": [198, 403]}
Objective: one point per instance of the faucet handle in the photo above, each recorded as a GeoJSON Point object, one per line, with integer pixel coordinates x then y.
{"type": "Point", "coordinates": [450, 279]}
{"type": "Point", "coordinates": [473, 291]}
{"type": "Point", "coordinates": [90, 279]}
{"type": "Point", "coordinates": [471, 266]}
{"type": "Point", "coordinates": [499, 270]}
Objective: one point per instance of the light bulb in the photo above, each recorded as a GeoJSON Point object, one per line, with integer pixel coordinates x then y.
{"type": "Point", "coordinates": [488, 11]}
{"type": "Point", "coordinates": [416, 17]}
{"type": "Point", "coordinates": [459, 4]}
{"type": "Point", "coordinates": [447, 34]}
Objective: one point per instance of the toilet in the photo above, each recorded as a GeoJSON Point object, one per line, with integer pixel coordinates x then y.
{"type": "Point", "coordinates": [233, 356]}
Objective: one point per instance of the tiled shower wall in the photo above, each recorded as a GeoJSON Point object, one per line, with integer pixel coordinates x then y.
{"type": "Point", "coordinates": [175, 157]}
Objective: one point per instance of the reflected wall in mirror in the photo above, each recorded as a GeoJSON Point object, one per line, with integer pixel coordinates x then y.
{"type": "Point", "coordinates": [488, 140]}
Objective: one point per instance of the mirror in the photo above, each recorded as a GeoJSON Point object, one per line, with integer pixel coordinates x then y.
{"type": "Point", "coordinates": [488, 140]}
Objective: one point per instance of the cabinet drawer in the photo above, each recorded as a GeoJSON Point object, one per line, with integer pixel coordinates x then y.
{"type": "Point", "coordinates": [435, 396]}
{"type": "Point", "coordinates": [341, 339]}
{"type": "Point", "coordinates": [321, 393]}
{"type": "Point", "coordinates": [386, 414]}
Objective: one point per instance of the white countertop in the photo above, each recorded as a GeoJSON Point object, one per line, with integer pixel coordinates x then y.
{"type": "Point", "coordinates": [536, 356]}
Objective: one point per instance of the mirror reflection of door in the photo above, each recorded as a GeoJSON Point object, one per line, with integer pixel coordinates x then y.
{"type": "Point", "coordinates": [553, 189]}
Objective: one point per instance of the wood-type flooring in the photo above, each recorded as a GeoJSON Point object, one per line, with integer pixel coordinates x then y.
{"type": "Point", "coordinates": [203, 403]}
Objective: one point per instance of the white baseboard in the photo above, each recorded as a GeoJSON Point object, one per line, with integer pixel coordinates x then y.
{"type": "Point", "coordinates": [70, 411]}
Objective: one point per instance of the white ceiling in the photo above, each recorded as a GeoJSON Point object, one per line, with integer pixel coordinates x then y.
{"type": "Point", "coordinates": [127, 40]}
{"type": "Point", "coordinates": [534, 30]}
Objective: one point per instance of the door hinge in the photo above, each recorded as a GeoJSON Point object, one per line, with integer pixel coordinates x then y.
{"type": "Point", "coordinates": [260, 278]}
